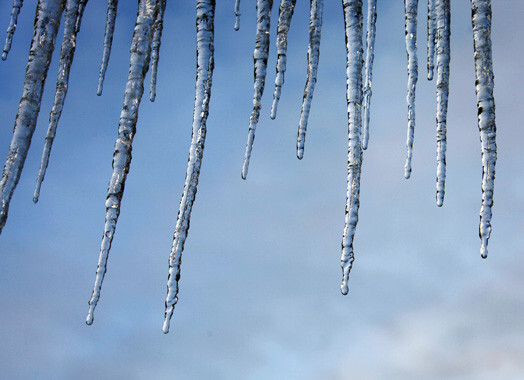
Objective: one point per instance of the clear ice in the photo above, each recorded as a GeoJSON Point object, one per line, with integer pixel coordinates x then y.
{"type": "Point", "coordinates": [155, 49]}
{"type": "Point", "coordinates": [205, 65]}
{"type": "Point", "coordinates": [411, 49]}
{"type": "Point", "coordinates": [442, 9]}
{"type": "Point", "coordinates": [354, 62]}
{"type": "Point", "coordinates": [108, 40]}
{"type": "Point", "coordinates": [313, 53]}
{"type": "Point", "coordinates": [47, 22]}
{"type": "Point", "coordinates": [72, 21]}
{"type": "Point", "coordinates": [237, 14]}
{"type": "Point", "coordinates": [138, 66]}
{"type": "Point", "coordinates": [260, 59]}
{"type": "Point", "coordinates": [15, 11]}
{"type": "Point", "coordinates": [284, 21]}
{"type": "Point", "coordinates": [368, 69]}
{"type": "Point", "coordinates": [431, 38]}
{"type": "Point", "coordinates": [481, 20]}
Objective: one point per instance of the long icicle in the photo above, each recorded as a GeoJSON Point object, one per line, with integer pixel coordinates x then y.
{"type": "Point", "coordinates": [284, 21]}
{"type": "Point", "coordinates": [481, 20]}
{"type": "Point", "coordinates": [411, 49]}
{"type": "Point", "coordinates": [431, 38]}
{"type": "Point", "coordinates": [138, 65]}
{"type": "Point", "coordinates": [71, 27]}
{"type": "Point", "coordinates": [237, 14]}
{"type": "Point", "coordinates": [15, 11]}
{"type": "Point", "coordinates": [313, 53]}
{"type": "Point", "coordinates": [354, 50]}
{"type": "Point", "coordinates": [158, 26]}
{"type": "Point", "coordinates": [368, 72]}
{"type": "Point", "coordinates": [205, 65]}
{"type": "Point", "coordinates": [260, 60]}
{"type": "Point", "coordinates": [108, 40]}
{"type": "Point", "coordinates": [47, 22]}
{"type": "Point", "coordinates": [442, 9]}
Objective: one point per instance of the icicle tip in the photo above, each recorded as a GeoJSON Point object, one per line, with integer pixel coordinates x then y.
{"type": "Point", "coordinates": [4, 56]}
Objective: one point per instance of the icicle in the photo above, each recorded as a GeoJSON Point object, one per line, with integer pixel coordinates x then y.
{"type": "Point", "coordinates": [138, 66]}
{"type": "Point", "coordinates": [205, 65]}
{"type": "Point", "coordinates": [431, 38]}
{"type": "Point", "coordinates": [237, 14]}
{"type": "Point", "coordinates": [481, 20]}
{"type": "Point", "coordinates": [284, 20]}
{"type": "Point", "coordinates": [158, 26]}
{"type": "Point", "coordinates": [47, 21]}
{"type": "Point", "coordinates": [370, 53]}
{"type": "Point", "coordinates": [354, 49]}
{"type": "Point", "coordinates": [411, 48]}
{"type": "Point", "coordinates": [81, 8]}
{"type": "Point", "coordinates": [442, 9]}
{"type": "Point", "coordinates": [71, 27]}
{"type": "Point", "coordinates": [260, 59]}
{"type": "Point", "coordinates": [17, 4]}
{"type": "Point", "coordinates": [108, 40]}
{"type": "Point", "coordinates": [315, 27]}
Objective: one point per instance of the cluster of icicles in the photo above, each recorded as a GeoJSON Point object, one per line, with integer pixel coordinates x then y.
{"type": "Point", "coordinates": [145, 53]}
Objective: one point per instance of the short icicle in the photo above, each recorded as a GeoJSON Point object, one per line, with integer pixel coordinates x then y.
{"type": "Point", "coordinates": [442, 9]}
{"type": "Point", "coordinates": [313, 53]}
{"type": "Point", "coordinates": [368, 68]}
{"type": "Point", "coordinates": [15, 11]}
{"type": "Point", "coordinates": [72, 20]}
{"type": "Point", "coordinates": [205, 65]}
{"type": "Point", "coordinates": [431, 38]}
{"type": "Point", "coordinates": [260, 57]}
{"type": "Point", "coordinates": [284, 21]}
{"type": "Point", "coordinates": [481, 20]}
{"type": "Point", "coordinates": [138, 65]}
{"type": "Point", "coordinates": [108, 40]}
{"type": "Point", "coordinates": [411, 49]}
{"type": "Point", "coordinates": [354, 51]}
{"type": "Point", "coordinates": [237, 14]}
{"type": "Point", "coordinates": [158, 26]}
{"type": "Point", "coordinates": [47, 22]}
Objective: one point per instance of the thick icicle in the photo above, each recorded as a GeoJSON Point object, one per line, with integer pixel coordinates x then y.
{"type": "Point", "coordinates": [205, 64]}
{"type": "Point", "coordinates": [481, 20]}
{"type": "Point", "coordinates": [237, 14]}
{"type": "Point", "coordinates": [431, 38]}
{"type": "Point", "coordinates": [47, 22]}
{"type": "Point", "coordinates": [71, 27]}
{"type": "Point", "coordinates": [108, 40]}
{"type": "Point", "coordinates": [370, 54]}
{"type": "Point", "coordinates": [284, 21]}
{"type": "Point", "coordinates": [138, 65]}
{"type": "Point", "coordinates": [155, 49]}
{"type": "Point", "coordinates": [313, 53]}
{"type": "Point", "coordinates": [354, 49]}
{"type": "Point", "coordinates": [442, 9]}
{"type": "Point", "coordinates": [411, 49]}
{"type": "Point", "coordinates": [260, 59]}
{"type": "Point", "coordinates": [15, 11]}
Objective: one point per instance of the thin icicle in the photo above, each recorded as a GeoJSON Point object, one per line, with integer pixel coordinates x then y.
{"type": "Point", "coordinates": [370, 54]}
{"type": "Point", "coordinates": [313, 53]}
{"type": "Point", "coordinates": [158, 26]}
{"type": "Point", "coordinates": [108, 40]}
{"type": "Point", "coordinates": [354, 51]}
{"type": "Point", "coordinates": [481, 20]}
{"type": "Point", "coordinates": [443, 13]}
{"type": "Point", "coordinates": [205, 65]}
{"type": "Point", "coordinates": [410, 7]}
{"type": "Point", "coordinates": [81, 9]}
{"type": "Point", "coordinates": [47, 22]}
{"type": "Point", "coordinates": [431, 38]}
{"type": "Point", "coordinates": [260, 59]}
{"type": "Point", "coordinates": [15, 11]}
{"type": "Point", "coordinates": [284, 21]}
{"type": "Point", "coordinates": [237, 14]}
{"type": "Point", "coordinates": [72, 22]}
{"type": "Point", "coordinates": [138, 65]}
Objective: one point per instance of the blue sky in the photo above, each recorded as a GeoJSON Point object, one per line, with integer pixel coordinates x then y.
{"type": "Point", "coordinates": [259, 294]}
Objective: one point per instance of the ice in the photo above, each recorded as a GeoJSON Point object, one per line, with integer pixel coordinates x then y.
{"type": "Point", "coordinates": [17, 4]}
{"type": "Point", "coordinates": [108, 40]}
{"type": "Point", "coordinates": [370, 54]}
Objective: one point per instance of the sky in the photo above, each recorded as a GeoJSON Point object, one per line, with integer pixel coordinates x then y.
{"type": "Point", "coordinates": [260, 282]}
